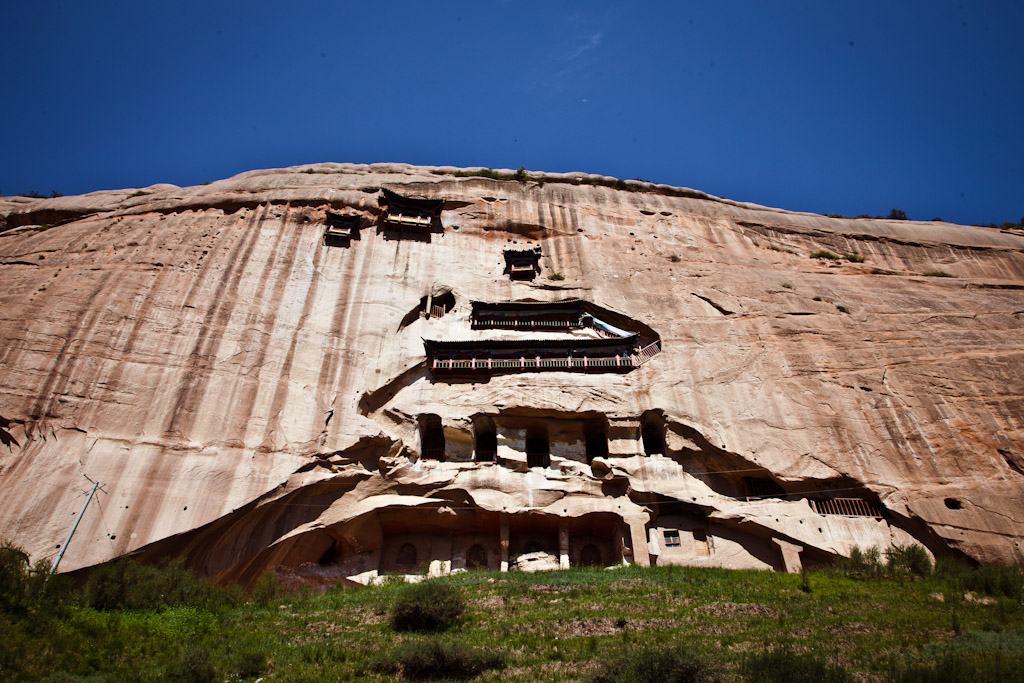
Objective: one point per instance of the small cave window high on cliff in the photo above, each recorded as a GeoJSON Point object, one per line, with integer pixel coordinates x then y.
{"type": "Point", "coordinates": [595, 436]}
{"type": "Point", "coordinates": [431, 437]}
{"type": "Point", "coordinates": [340, 230]}
{"type": "Point", "coordinates": [522, 264]}
{"type": "Point", "coordinates": [486, 449]}
{"type": "Point", "coordinates": [408, 216]}
{"type": "Point", "coordinates": [441, 304]}
{"type": "Point", "coordinates": [762, 487]}
{"type": "Point", "coordinates": [538, 448]}
{"type": "Point", "coordinates": [652, 432]}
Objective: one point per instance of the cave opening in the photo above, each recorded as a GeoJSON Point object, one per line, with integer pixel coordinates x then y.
{"type": "Point", "coordinates": [652, 432]}
{"type": "Point", "coordinates": [595, 437]}
{"type": "Point", "coordinates": [486, 448]}
{"type": "Point", "coordinates": [330, 556]}
{"type": "Point", "coordinates": [538, 448]}
{"type": "Point", "coordinates": [432, 437]}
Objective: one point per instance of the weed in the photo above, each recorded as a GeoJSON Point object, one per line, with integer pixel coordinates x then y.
{"type": "Point", "coordinates": [433, 660]}
{"type": "Point", "coordinates": [556, 276]}
{"type": "Point", "coordinates": [826, 254]}
{"type": "Point", "coordinates": [782, 665]}
{"type": "Point", "coordinates": [787, 285]}
{"type": "Point", "coordinates": [268, 588]}
{"type": "Point", "coordinates": [938, 273]}
{"type": "Point", "coordinates": [427, 606]}
{"type": "Point", "coordinates": [663, 663]}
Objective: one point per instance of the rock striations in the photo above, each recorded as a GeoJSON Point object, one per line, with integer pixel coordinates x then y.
{"type": "Point", "coordinates": [348, 370]}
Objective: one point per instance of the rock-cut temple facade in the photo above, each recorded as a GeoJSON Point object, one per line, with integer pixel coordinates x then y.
{"type": "Point", "coordinates": [348, 371]}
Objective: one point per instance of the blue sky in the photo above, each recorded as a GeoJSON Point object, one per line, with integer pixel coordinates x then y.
{"type": "Point", "coordinates": [846, 108]}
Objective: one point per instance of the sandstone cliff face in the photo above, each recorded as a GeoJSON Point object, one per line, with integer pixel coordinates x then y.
{"type": "Point", "coordinates": [252, 398]}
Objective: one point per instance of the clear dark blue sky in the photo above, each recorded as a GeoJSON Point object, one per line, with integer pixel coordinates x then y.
{"type": "Point", "coordinates": [852, 107]}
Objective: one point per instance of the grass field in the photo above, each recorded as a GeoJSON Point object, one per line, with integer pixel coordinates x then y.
{"type": "Point", "coordinates": [557, 626]}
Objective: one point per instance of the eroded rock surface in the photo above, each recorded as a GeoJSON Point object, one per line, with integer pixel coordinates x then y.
{"type": "Point", "coordinates": [252, 398]}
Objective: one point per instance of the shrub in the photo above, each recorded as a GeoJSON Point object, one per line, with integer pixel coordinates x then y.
{"type": "Point", "coordinates": [427, 606]}
{"type": "Point", "coordinates": [825, 254]}
{"type": "Point", "coordinates": [556, 276]}
{"type": "Point", "coordinates": [782, 665]}
{"type": "Point", "coordinates": [897, 215]}
{"type": "Point", "coordinates": [128, 584]}
{"type": "Point", "coordinates": [521, 175]}
{"type": "Point", "coordinates": [664, 663]}
{"type": "Point", "coordinates": [23, 585]}
{"type": "Point", "coordinates": [787, 285]}
{"type": "Point", "coordinates": [855, 258]}
{"type": "Point", "coordinates": [938, 273]}
{"type": "Point", "coordinates": [911, 558]}
{"type": "Point", "coordinates": [432, 660]}
{"type": "Point", "coordinates": [842, 309]}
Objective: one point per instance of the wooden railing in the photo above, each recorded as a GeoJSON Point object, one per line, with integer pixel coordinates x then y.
{"type": "Point", "coordinates": [433, 454]}
{"type": "Point", "coordinates": [532, 363]}
{"type": "Point", "coordinates": [437, 311]}
{"type": "Point", "coordinates": [851, 507]}
{"type": "Point", "coordinates": [523, 324]}
{"type": "Point", "coordinates": [646, 353]}
{"type": "Point", "coordinates": [414, 221]}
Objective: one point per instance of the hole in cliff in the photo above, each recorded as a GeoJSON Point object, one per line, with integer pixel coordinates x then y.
{"type": "Point", "coordinates": [538, 449]}
{"type": "Point", "coordinates": [486, 449]}
{"type": "Point", "coordinates": [954, 504]}
{"type": "Point", "coordinates": [445, 300]}
{"type": "Point", "coordinates": [431, 437]}
{"type": "Point", "coordinates": [760, 487]}
{"type": "Point", "coordinates": [595, 435]}
{"type": "Point", "coordinates": [330, 555]}
{"type": "Point", "coordinates": [652, 432]}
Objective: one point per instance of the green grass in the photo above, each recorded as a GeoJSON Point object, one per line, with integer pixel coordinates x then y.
{"type": "Point", "coordinates": [579, 624]}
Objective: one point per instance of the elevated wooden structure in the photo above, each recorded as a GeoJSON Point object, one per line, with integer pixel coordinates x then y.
{"type": "Point", "coordinates": [341, 229]}
{"type": "Point", "coordinates": [528, 355]}
{"type": "Point", "coordinates": [418, 217]}
{"type": "Point", "coordinates": [522, 264]}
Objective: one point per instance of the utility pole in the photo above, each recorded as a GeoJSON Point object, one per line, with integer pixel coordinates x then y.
{"type": "Point", "coordinates": [95, 485]}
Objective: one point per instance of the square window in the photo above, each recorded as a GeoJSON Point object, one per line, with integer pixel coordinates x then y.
{"type": "Point", "coordinates": [672, 538]}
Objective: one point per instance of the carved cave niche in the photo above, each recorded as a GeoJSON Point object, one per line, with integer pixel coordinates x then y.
{"type": "Point", "coordinates": [432, 441]}
{"type": "Point", "coordinates": [595, 438]}
{"type": "Point", "coordinates": [485, 440]}
{"type": "Point", "coordinates": [652, 432]}
{"type": "Point", "coordinates": [538, 446]}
